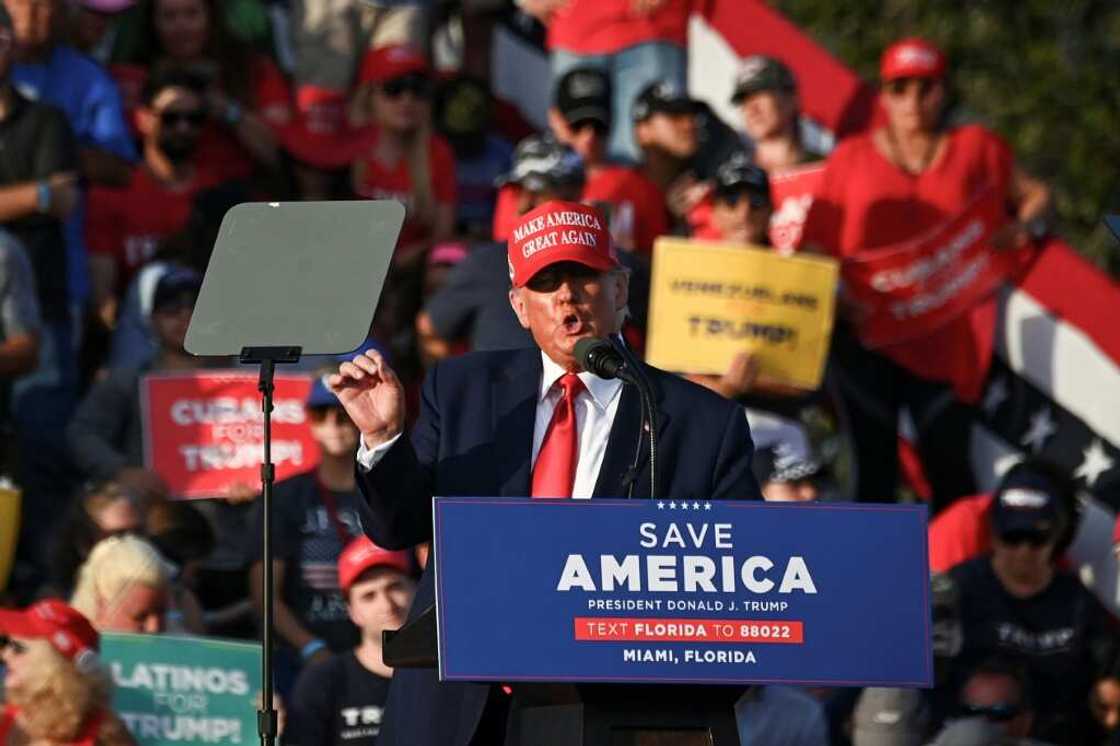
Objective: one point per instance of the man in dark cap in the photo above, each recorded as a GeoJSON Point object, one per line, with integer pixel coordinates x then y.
{"type": "Point", "coordinates": [581, 117]}
{"type": "Point", "coordinates": [105, 434]}
{"type": "Point", "coordinates": [741, 205]}
{"type": "Point", "coordinates": [1018, 601]}
{"type": "Point", "coordinates": [766, 94]}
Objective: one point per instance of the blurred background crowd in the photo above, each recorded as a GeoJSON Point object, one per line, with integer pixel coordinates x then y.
{"type": "Point", "coordinates": [129, 127]}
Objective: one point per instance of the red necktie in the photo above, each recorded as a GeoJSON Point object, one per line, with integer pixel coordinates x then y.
{"type": "Point", "coordinates": [555, 470]}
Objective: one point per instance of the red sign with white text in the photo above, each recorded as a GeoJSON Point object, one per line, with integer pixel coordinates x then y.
{"type": "Point", "coordinates": [791, 192]}
{"type": "Point", "coordinates": [908, 290]}
{"type": "Point", "coordinates": [204, 431]}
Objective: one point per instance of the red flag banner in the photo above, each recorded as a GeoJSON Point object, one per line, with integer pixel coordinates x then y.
{"type": "Point", "coordinates": [204, 431]}
{"type": "Point", "coordinates": [791, 192]}
{"type": "Point", "coordinates": [908, 290]}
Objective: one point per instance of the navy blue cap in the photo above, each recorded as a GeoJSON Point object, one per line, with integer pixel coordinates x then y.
{"type": "Point", "coordinates": [1026, 501]}
{"type": "Point", "coordinates": [320, 395]}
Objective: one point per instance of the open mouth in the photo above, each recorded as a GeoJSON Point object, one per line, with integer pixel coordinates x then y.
{"type": "Point", "coordinates": [572, 324]}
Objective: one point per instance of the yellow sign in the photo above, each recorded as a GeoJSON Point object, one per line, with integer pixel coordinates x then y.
{"type": "Point", "coordinates": [710, 301]}
{"type": "Point", "coordinates": [10, 498]}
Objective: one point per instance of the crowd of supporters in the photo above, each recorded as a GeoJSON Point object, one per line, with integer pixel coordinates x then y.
{"type": "Point", "coordinates": [129, 127]}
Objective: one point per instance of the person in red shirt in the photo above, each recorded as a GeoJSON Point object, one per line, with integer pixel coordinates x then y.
{"type": "Point", "coordinates": [246, 92]}
{"type": "Point", "coordinates": [56, 691]}
{"type": "Point", "coordinates": [406, 161]}
{"type": "Point", "coordinates": [124, 227]}
{"type": "Point", "coordinates": [636, 42]}
{"type": "Point", "coordinates": [893, 184]}
{"type": "Point", "coordinates": [581, 118]}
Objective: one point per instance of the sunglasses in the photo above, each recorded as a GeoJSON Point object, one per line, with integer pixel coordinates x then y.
{"type": "Point", "coordinates": [1035, 538]}
{"type": "Point", "coordinates": [1000, 712]}
{"type": "Point", "coordinates": [731, 197]}
{"type": "Point", "coordinates": [321, 414]}
{"type": "Point", "coordinates": [418, 85]}
{"type": "Point", "coordinates": [552, 277]}
{"type": "Point", "coordinates": [600, 128]}
{"type": "Point", "coordinates": [7, 643]}
{"type": "Point", "coordinates": [193, 118]}
{"type": "Point", "coordinates": [899, 87]}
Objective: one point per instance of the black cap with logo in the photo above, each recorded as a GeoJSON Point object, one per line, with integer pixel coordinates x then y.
{"type": "Point", "coordinates": [662, 98]}
{"type": "Point", "coordinates": [758, 73]}
{"type": "Point", "coordinates": [542, 162]}
{"type": "Point", "coordinates": [584, 94]}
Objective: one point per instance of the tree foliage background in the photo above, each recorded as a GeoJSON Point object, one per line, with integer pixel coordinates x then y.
{"type": "Point", "coordinates": [1044, 74]}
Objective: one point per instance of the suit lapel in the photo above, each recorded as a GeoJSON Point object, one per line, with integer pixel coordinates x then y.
{"type": "Point", "coordinates": [514, 394]}
{"type": "Point", "coordinates": [622, 442]}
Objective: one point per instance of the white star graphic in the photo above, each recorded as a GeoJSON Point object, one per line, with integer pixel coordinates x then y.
{"type": "Point", "coordinates": [696, 506]}
{"type": "Point", "coordinates": [996, 395]}
{"type": "Point", "coordinates": [1041, 428]}
{"type": "Point", "coordinates": [1095, 463]}
{"type": "Point", "coordinates": [672, 506]}
{"type": "Point", "coordinates": [707, 506]}
{"type": "Point", "coordinates": [660, 505]}
{"type": "Point", "coordinates": [684, 506]}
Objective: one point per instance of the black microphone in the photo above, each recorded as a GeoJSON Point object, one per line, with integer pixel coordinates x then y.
{"type": "Point", "coordinates": [600, 358]}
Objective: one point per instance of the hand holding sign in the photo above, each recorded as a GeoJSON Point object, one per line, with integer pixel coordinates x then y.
{"type": "Point", "coordinates": [372, 395]}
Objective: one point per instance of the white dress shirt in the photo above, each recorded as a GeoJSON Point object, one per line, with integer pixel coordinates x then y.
{"type": "Point", "coordinates": [595, 407]}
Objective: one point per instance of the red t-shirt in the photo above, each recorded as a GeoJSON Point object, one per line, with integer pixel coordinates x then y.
{"type": "Point", "coordinates": [960, 532]}
{"type": "Point", "coordinates": [637, 212]}
{"type": "Point", "coordinates": [217, 146]}
{"type": "Point", "coordinates": [128, 224]}
{"type": "Point", "coordinates": [866, 202]}
{"type": "Point", "coordinates": [634, 205]}
{"type": "Point", "coordinates": [378, 182]}
{"type": "Point", "coordinates": [609, 26]}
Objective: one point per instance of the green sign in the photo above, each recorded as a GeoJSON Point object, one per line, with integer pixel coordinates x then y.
{"type": "Point", "coordinates": [175, 690]}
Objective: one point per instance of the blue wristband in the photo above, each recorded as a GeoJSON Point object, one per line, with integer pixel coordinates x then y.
{"type": "Point", "coordinates": [312, 648]}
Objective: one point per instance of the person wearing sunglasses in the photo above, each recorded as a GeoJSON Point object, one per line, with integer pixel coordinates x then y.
{"type": "Point", "coordinates": [1019, 601]}
{"type": "Point", "coordinates": [898, 182]}
{"type": "Point", "coordinates": [406, 160]}
{"type": "Point", "coordinates": [126, 226]}
{"type": "Point", "coordinates": [55, 689]}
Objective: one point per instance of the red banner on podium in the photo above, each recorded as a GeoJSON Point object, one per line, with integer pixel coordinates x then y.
{"type": "Point", "coordinates": [204, 431]}
{"type": "Point", "coordinates": [908, 290]}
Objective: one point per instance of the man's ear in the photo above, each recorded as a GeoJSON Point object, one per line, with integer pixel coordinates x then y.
{"type": "Point", "coordinates": [519, 307]}
{"type": "Point", "coordinates": [622, 289]}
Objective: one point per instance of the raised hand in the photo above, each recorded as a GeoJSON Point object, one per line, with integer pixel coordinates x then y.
{"type": "Point", "coordinates": [372, 395]}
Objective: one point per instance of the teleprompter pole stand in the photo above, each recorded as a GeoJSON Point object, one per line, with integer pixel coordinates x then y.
{"type": "Point", "coordinates": [267, 358]}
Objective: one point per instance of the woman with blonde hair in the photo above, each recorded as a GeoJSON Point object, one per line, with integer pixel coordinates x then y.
{"type": "Point", "coordinates": [55, 691]}
{"type": "Point", "coordinates": [124, 586]}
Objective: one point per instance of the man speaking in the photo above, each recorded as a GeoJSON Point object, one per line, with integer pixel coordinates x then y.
{"type": "Point", "coordinates": [523, 423]}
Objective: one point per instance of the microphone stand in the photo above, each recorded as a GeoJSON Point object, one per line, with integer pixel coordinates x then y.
{"type": "Point", "coordinates": [637, 377]}
{"type": "Point", "coordinates": [267, 358]}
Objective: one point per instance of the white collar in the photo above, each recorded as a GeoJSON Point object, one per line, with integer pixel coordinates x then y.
{"type": "Point", "coordinates": [602, 390]}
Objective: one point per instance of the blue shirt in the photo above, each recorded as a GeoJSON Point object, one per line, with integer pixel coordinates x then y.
{"type": "Point", "coordinates": [82, 89]}
{"type": "Point", "coordinates": [780, 716]}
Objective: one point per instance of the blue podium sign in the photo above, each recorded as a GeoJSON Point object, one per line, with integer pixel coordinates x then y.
{"type": "Point", "coordinates": [721, 592]}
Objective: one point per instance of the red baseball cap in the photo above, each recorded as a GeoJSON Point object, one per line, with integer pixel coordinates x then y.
{"type": "Point", "coordinates": [387, 63]}
{"type": "Point", "coordinates": [559, 232]}
{"type": "Point", "coordinates": [320, 134]}
{"type": "Point", "coordinates": [912, 58]}
{"type": "Point", "coordinates": [362, 554]}
{"type": "Point", "coordinates": [62, 626]}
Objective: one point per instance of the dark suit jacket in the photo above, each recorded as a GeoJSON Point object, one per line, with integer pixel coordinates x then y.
{"type": "Point", "coordinates": [474, 438]}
